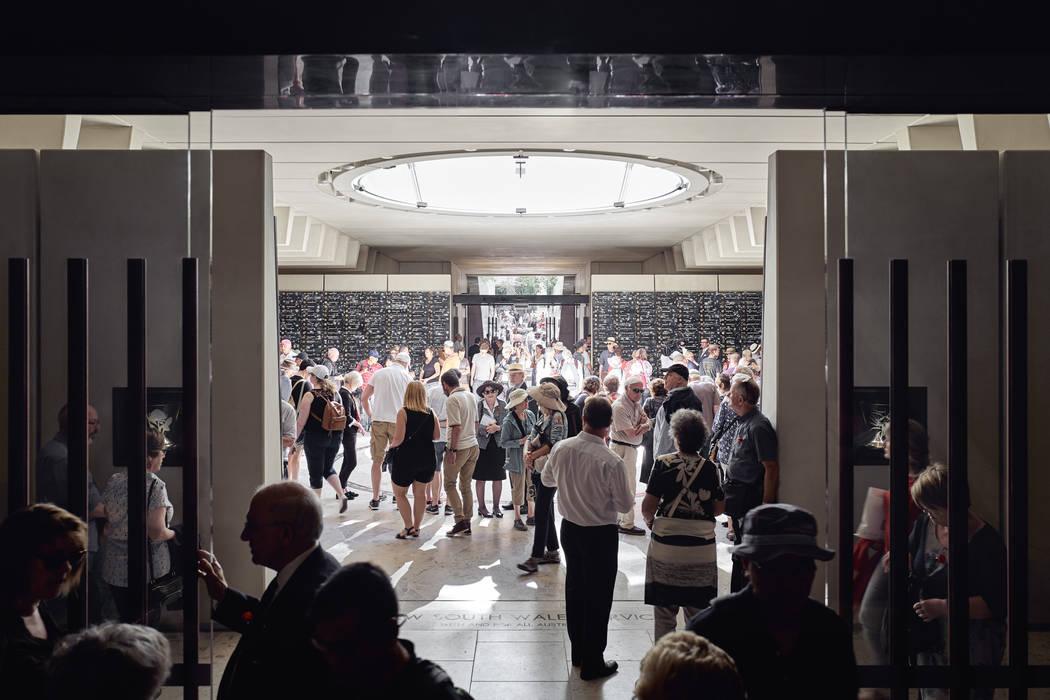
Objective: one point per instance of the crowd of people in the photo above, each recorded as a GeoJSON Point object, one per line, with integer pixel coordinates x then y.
{"type": "Point", "coordinates": [460, 426]}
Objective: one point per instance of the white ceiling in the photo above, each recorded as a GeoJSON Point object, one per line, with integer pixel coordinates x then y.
{"type": "Point", "coordinates": [734, 143]}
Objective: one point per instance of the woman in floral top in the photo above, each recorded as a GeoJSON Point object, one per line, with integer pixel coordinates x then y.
{"type": "Point", "coordinates": [115, 561]}
{"type": "Point", "coordinates": [681, 569]}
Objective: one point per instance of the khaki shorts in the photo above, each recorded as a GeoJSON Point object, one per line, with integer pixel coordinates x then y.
{"type": "Point", "coordinates": [518, 490]}
{"type": "Point", "coordinates": [382, 435]}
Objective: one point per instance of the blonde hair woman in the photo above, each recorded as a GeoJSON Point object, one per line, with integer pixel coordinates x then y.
{"type": "Point", "coordinates": [684, 665]}
{"type": "Point", "coordinates": [639, 366]}
{"type": "Point", "coordinates": [415, 431]}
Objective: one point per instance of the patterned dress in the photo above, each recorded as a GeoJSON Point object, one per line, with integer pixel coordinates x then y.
{"type": "Point", "coordinates": [681, 567]}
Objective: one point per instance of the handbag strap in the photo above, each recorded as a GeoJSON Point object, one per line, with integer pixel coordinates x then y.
{"type": "Point", "coordinates": [685, 489]}
{"type": "Point", "coordinates": [149, 549]}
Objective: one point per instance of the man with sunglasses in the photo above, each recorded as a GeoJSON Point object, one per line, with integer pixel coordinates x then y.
{"type": "Point", "coordinates": [629, 424]}
{"type": "Point", "coordinates": [784, 643]}
{"type": "Point", "coordinates": [274, 657]}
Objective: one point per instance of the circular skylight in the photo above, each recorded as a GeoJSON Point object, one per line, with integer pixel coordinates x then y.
{"type": "Point", "coordinates": [519, 183]}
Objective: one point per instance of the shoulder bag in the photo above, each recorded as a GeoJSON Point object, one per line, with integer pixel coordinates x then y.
{"type": "Point", "coordinates": [665, 524]}
{"type": "Point", "coordinates": [165, 590]}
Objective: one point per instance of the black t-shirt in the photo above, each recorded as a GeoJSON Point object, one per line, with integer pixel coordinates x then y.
{"type": "Point", "coordinates": [423, 679]}
{"type": "Point", "coordinates": [573, 419]}
{"type": "Point", "coordinates": [819, 665]}
{"type": "Point", "coordinates": [985, 566]}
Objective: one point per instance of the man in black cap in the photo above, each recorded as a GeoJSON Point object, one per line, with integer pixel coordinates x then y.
{"type": "Point", "coordinates": [679, 395]}
{"type": "Point", "coordinates": [784, 643]}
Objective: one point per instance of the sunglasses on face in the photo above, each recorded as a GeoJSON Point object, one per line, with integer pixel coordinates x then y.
{"type": "Point", "coordinates": [635, 391]}
{"type": "Point", "coordinates": [56, 560]}
{"type": "Point", "coordinates": [490, 391]}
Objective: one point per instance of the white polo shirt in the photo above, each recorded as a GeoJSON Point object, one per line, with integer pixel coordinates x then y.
{"type": "Point", "coordinates": [388, 386]}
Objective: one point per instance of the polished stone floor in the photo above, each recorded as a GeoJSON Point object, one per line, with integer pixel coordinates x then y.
{"type": "Point", "coordinates": [499, 633]}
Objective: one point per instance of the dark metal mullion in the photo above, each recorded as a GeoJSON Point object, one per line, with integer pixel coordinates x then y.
{"type": "Point", "coordinates": [190, 473]}
{"type": "Point", "coordinates": [900, 609]}
{"type": "Point", "coordinates": [77, 413]}
{"type": "Point", "coordinates": [958, 482]}
{"type": "Point", "coordinates": [1017, 471]}
{"type": "Point", "coordinates": [135, 434]}
{"type": "Point", "coordinates": [18, 384]}
{"type": "Point", "coordinates": [845, 398]}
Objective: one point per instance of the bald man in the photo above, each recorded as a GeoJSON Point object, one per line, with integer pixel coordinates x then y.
{"type": "Point", "coordinates": [274, 657]}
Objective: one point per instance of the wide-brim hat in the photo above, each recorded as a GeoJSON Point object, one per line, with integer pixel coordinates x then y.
{"type": "Point", "coordinates": [489, 384]}
{"type": "Point", "coordinates": [517, 396]}
{"type": "Point", "coordinates": [779, 529]}
{"type": "Point", "coordinates": [516, 367]}
{"type": "Point", "coordinates": [610, 339]}
{"type": "Point", "coordinates": [547, 395]}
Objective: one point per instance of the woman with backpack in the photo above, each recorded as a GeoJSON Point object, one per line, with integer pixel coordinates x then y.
{"type": "Point", "coordinates": [320, 413]}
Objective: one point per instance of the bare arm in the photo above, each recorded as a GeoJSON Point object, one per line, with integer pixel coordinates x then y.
{"type": "Point", "coordinates": [366, 394]}
{"type": "Point", "coordinates": [399, 428]}
{"type": "Point", "coordinates": [437, 427]}
{"type": "Point", "coordinates": [155, 527]}
{"type": "Point", "coordinates": [772, 482]}
{"type": "Point", "coordinates": [304, 412]}
{"type": "Point", "coordinates": [649, 506]}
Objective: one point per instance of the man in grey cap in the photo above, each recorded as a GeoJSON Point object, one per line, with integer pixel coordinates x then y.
{"type": "Point", "coordinates": [784, 643]}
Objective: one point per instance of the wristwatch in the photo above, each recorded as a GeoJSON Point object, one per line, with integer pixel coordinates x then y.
{"type": "Point", "coordinates": [450, 449]}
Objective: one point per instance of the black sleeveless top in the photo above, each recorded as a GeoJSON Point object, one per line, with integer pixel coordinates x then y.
{"type": "Point", "coordinates": [417, 449]}
{"type": "Point", "coordinates": [313, 422]}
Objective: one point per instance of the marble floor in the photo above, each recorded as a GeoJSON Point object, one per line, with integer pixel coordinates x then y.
{"type": "Point", "coordinates": [499, 633]}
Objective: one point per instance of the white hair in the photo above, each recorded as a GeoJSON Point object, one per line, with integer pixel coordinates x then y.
{"type": "Point", "coordinates": [112, 660]}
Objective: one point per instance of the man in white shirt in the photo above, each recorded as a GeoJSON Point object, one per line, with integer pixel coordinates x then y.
{"type": "Point", "coordinates": [386, 389]}
{"type": "Point", "coordinates": [592, 491]}
{"type": "Point", "coordinates": [629, 424]}
{"type": "Point", "coordinates": [461, 450]}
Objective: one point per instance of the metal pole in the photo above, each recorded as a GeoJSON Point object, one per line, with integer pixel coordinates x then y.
{"type": "Point", "coordinates": [900, 610]}
{"type": "Point", "coordinates": [77, 407]}
{"type": "Point", "coordinates": [958, 483]}
{"type": "Point", "coordinates": [135, 434]}
{"type": "Point", "coordinates": [18, 384]}
{"type": "Point", "coordinates": [1017, 471]}
{"type": "Point", "coordinates": [190, 475]}
{"type": "Point", "coordinates": [845, 380]}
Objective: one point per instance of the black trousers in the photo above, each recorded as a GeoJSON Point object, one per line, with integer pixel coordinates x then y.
{"type": "Point", "coordinates": [349, 455]}
{"type": "Point", "coordinates": [743, 498]}
{"type": "Point", "coordinates": [590, 577]}
{"type": "Point", "coordinates": [545, 535]}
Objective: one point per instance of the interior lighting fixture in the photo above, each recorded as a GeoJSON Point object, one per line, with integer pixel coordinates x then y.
{"type": "Point", "coordinates": [493, 182]}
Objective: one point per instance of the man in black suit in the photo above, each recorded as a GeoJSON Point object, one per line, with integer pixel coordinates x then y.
{"type": "Point", "coordinates": [274, 657]}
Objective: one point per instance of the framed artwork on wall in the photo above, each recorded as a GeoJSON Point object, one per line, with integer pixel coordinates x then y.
{"type": "Point", "coordinates": [163, 412]}
{"type": "Point", "coordinates": [871, 421]}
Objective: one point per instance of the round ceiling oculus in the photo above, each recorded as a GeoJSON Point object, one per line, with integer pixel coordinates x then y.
{"type": "Point", "coordinates": [527, 182]}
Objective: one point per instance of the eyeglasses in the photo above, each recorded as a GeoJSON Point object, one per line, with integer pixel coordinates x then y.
{"type": "Point", "coordinates": [56, 560]}
{"type": "Point", "coordinates": [490, 391]}
{"type": "Point", "coordinates": [635, 391]}
{"type": "Point", "coordinates": [250, 526]}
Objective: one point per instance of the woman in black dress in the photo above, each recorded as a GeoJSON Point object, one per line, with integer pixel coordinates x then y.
{"type": "Point", "coordinates": [415, 431]}
{"type": "Point", "coordinates": [491, 457]}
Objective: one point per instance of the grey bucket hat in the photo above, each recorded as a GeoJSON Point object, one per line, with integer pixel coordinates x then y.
{"type": "Point", "coordinates": [777, 529]}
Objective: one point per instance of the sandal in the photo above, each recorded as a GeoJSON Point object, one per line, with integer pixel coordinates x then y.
{"type": "Point", "coordinates": [404, 533]}
{"type": "Point", "coordinates": [413, 532]}
{"type": "Point", "coordinates": [498, 513]}
{"type": "Point", "coordinates": [484, 513]}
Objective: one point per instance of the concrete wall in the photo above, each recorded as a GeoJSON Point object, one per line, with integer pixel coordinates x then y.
{"type": "Point", "coordinates": [923, 206]}
{"type": "Point", "coordinates": [793, 321]}
{"type": "Point", "coordinates": [1025, 211]}
{"type": "Point", "coordinates": [18, 194]}
{"type": "Point", "coordinates": [244, 332]}
{"type": "Point", "coordinates": [108, 206]}
{"type": "Point", "coordinates": [365, 283]}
